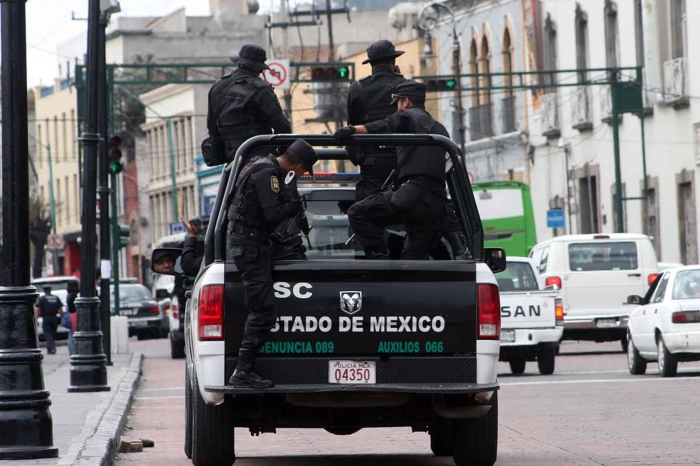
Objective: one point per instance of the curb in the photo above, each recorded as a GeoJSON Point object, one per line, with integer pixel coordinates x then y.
{"type": "Point", "coordinates": [108, 424]}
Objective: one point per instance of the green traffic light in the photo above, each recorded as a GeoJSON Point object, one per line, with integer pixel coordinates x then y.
{"type": "Point", "coordinates": [344, 72]}
{"type": "Point", "coordinates": [115, 168]}
{"type": "Point", "coordinates": [451, 83]}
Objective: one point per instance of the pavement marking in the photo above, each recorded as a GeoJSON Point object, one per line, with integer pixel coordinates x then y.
{"type": "Point", "coordinates": [159, 397]}
{"type": "Point", "coordinates": [161, 389]}
{"type": "Point", "coordinates": [630, 380]}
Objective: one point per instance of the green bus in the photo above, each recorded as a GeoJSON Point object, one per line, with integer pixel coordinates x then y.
{"type": "Point", "coordinates": [506, 213]}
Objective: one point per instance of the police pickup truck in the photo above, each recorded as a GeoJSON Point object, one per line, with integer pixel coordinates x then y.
{"type": "Point", "coordinates": [358, 343]}
{"type": "Point", "coordinates": [532, 320]}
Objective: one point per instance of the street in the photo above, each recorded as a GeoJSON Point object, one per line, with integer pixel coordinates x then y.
{"type": "Point", "coordinates": [590, 412]}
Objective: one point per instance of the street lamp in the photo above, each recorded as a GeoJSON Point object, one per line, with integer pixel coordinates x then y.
{"type": "Point", "coordinates": [428, 18]}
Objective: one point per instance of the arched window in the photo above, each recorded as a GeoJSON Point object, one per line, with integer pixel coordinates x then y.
{"type": "Point", "coordinates": [485, 69]}
{"type": "Point", "coordinates": [581, 25]}
{"type": "Point", "coordinates": [612, 59]}
{"type": "Point", "coordinates": [509, 99]}
{"type": "Point", "coordinates": [550, 49]}
{"type": "Point", "coordinates": [473, 70]}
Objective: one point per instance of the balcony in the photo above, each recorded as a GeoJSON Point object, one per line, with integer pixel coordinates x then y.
{"type": "Point", "coordinates": [480, 121]}
{"type": "Point", "coordinates": [581, 109]}
{"type": "Point", "coordinates": [676, 83]}
{"type": "Point", "coordinates": [508, 114]}
{"type": "Point", "coordinates": [550, 115]}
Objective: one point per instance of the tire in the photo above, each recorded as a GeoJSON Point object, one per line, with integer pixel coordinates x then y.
{"type": "Point", "coordinates": [476, 440]}
{"type": "Point", "coordinates": [636, 364]}
{"type": "Point", "coordinates": [163, 333]}
{"type": "Point", "coordinates": [517, 366]}
{"type": "Point", "coordinates": [188, 415]}
{"type": "Point", "coordinates": [143, 336]}
{"type": "Point", "coordinates": [177, 349]}
{"type": "Point", "coordinates": [342, 430]}
{"type": "Point", "coordinates": [668, 363]}
{"type": "Point", "coordinates": [441, 438]}
{"type": "Point", "coordinates": [212, 432]}
{"type": "Point", "coordinates": [545, 360]}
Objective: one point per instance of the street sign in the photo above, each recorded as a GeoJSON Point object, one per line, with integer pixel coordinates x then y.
{"type": "Point", "coordinates": [55, 242]}
{"type": "Point", "coordinates": [555, 218]}
{"type": "Point", "coordinates": [209, 204]}
{"type": "Point", "coordinates": [278, 75]}
{"type": "Point", "coordinates": [176, 227]}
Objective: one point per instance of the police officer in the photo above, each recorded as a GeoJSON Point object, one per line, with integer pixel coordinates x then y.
{"type": "Point", "coordinates": [47, 308]}
{"type": "Point", "coordinates": [419, 202]}
{"type": "Point", "coordinates": [259, 206]}
{"type": "Point", "coordinates": [242, 105]}
{"type": "Point", "coordinates": [193, 248]}
{"type": "Point", "coordinates": [369, 100]}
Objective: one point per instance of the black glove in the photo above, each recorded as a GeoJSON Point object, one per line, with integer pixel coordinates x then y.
{"type": "Point", "coordinates": [343, 134]}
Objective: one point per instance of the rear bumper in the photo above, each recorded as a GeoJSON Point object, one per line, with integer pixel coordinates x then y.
{"type": "Point", "coordinates": [141, 323]}
{"type": "Point", "coordinates": [591, 322]}
{"type": "Point", "coordinates": [419, 389]}
{"type": "Point", "coordinates": [682, 342]}
{"type": "Point", "coordinates": [533, 336]}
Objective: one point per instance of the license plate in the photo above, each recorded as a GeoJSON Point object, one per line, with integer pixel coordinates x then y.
{"type": "Point", "coordinates": [507, 336]}
{"type": "Point", "coordinates": [606, 323]}
{"type": "Point", "coordinates": [138, 323]}
{"type": "Point", "coordinates": [352, 372]}
{"type": "Point", "coordinates": [128, 312]}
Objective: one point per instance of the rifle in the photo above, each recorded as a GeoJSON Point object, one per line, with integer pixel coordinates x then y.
{"type": "Point", "coordinates": [300, 217]}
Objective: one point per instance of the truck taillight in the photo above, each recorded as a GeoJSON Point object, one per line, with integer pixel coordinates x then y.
{"type": "Point", "coordinates": [155, 309]}
{"type": "Point", "coordinates": [211, 313]}
{"type": "Point", "coordinates": [685, 317]}
{"type": "Point", "coordinates": [489, 305]}
{"type": "Point", "coordinates": [553, 281]}
{"type": "Point", "coordinates": [559, 311]}
{"type": "Point", "coordinates": [652, 278]}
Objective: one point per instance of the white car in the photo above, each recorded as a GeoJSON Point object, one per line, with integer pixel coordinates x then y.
{"type": "Point", "coordinates": [666, 325]}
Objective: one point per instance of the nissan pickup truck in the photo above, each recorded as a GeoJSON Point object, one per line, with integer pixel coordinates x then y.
{"type": "Point", "coordinates": [532, 319]}
{"type": "Point", "coordinates": [358, 343]}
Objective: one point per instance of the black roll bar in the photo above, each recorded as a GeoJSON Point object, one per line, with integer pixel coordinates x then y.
{"type": "Point", "coordinates": [457, 179]}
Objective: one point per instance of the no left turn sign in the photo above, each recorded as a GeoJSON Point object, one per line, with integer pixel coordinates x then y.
{"type": "Point", "coordinates": [278, 74]}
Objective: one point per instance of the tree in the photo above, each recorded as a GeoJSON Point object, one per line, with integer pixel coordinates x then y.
{"type": "Point", "coordinates": [39, 230]}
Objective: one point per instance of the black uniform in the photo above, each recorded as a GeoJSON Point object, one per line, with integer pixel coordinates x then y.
{"type": "Point", "coordinates": [369, 100]}
{"type": "Point", "coordinates": [49, 305]}
{"type": "Point", "coordinates": [419, 202]}
{"type": "Point", "coordinates": [192, 254]}
{"type": "Point", "coordinates": [259, 206]}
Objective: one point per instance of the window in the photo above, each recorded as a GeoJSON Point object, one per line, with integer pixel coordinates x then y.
{"type": "Point", "coordinates": [678, 28]}
{"type": "Point", "coordinates": [485, 69]}
{"type": "Point", "coordinates": [55, 138]}
{"type": "Point", "coordinates": [76, 196]}
{"type": "Point", "coordinates": [550, 49]}
{"type": "Point", "coordinates": [68, 201]}
{"type": "Point", "coordinates": [40, 146]}
{"type": "Point", "coordinates": [612, 59]}
{"type": "Point", "coordinates": [589, 257]}
{"type": "Point", "coordinates": [64, 137]}
{"type": "Point", "coordinates": [661, 290]}
{"type": "Point", "coordinates": [542, 267]}
{"type": "Point", "coordinates": [509, 99]}
{"type": "Point", "coordinates": [639, 31]}
{"type": "Point", "coordinates": [59, 205]}
{"type": "Point", "coordinates": [581, 42]}
{"type": "Point", "coordinates": [474, 70]}
{"type": "Point", "coordinates": [518, 276]}
{"type": "Point", "coordinates": [650, 213]}
{"type": "Point", "coordinates": [73, 133]}
{"type": "Point", "coordinates": [131, 293]}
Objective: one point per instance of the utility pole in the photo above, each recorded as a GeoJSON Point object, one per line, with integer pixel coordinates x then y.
{"type": "Point", "coordinates": [619, 216]}
{"type": "Point", "coordinates": [26, 427]}
{"type": "Point", "coordinates": [88, 371]}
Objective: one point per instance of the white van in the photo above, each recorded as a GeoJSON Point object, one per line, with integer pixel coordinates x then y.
{"type": "Point", "coordinates": [596, 273]}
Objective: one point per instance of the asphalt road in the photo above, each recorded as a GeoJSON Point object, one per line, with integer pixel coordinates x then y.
{"type": "Point", "coordinates": [590, 412]}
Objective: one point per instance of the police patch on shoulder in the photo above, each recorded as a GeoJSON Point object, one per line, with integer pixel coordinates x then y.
{"type": "Point", "coordinates": [275, 184]}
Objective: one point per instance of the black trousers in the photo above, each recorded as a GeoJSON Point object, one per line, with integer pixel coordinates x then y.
{"type": "Point", "coordinates": [418, 206]}
{"type": "Point", "coordinates": [49, 326]}
{"type": "Point", "coordinates": [372, 177]}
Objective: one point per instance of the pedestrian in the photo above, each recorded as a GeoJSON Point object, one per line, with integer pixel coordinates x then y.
{"type": "Point", "coordinates": [369, 100]}
{"type": "Point", "coordinates": [419, 200]}
{"type": "Point", "coordinates": [48, 307]}
{"type": "Point", "coordinates": [242, 105]}
{"type": "Point", "coordinates": [258, 207]}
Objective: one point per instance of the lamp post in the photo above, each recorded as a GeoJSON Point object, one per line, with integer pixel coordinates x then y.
{"type": "Point", "coordinates": [427, 22]}
{"type": "Point", "coordinates": [26, 427]}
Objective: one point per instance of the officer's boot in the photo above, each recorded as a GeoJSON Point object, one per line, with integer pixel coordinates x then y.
{"type": "Point", "coordinates": [458, 243]}
{"type": "Point", "coordinates": [244, 376]}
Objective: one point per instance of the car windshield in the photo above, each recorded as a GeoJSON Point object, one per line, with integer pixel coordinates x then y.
{"type": "Point", "coordinates": [589, 257]}
{"type": "Point", "coordinates": [330, 231]}
{"type": "Point", "coordinates": [131, 293]}
{"type": "Point", "coordinates": [517, 276]}
{"type": "Point", "coordinates": [687, 285]}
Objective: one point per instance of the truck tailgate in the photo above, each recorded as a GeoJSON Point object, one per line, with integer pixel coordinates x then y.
{"type": "Point", "coordinates": [534, 309]}
{"type": "Point", "coordinates": [415, 319]}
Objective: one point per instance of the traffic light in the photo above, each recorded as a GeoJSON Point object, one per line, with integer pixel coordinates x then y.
{"type": "Point", "coordinates": [440, 85]}
{"type": "Point", "coordinates": [331, 73]}
{"type": "Point", "coordinates": [115, 155]}
{"type": "Point", "coordinates": [124, 234]}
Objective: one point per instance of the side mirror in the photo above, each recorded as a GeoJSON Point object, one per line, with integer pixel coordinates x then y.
{"type": "Point", "coordinates": [166, 261]}
{"type": "Point", "coordinates": [495, 258]}
{"type": "Point", "coordinates": [634, 299]}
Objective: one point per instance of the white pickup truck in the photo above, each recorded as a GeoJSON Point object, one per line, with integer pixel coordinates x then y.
{"type": "Point", "coordinates": [532, 319]}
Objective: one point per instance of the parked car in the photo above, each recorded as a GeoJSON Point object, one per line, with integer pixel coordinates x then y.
{"type": "Point", "coordinates": [146, 317]}
{"type": "Point", "coordinates": [665, 327]}
{"type": "Point", "coordinates": [595, 274]}
{"type": "Point", "coordinates": [531, 318]}
{"type": "Point", "coordinates": [668, 265]}
{"type": "Point", "coordinates": [56, 283]}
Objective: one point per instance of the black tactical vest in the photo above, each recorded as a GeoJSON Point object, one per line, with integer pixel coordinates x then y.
{"type": "Point", "coordinates": [242, 211]}
{"type": "Point", "coordinates": [423, 161]}
{"type": "Point", "coordinates": [236, 116]}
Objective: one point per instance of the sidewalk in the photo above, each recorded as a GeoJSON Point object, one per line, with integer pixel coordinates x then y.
{"type": "Point", "coordinates": [86, 426]}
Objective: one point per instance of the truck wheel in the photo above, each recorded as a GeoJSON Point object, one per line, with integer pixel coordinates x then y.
{"type": "Point", "coordinates": [635, 362]}
{"type": "Point", "coordinates": [212, 432]}
{"type": "Point", "coordinates": [668, 363]}
{"type": "Point", "coordinates": [342, 430]}
{"type": "Point", "coordinates": [188, 415]}
{"type": "Point", "coordinates": [517, 366]}
{"type": "Point", "coordinates": [476, 440]}
{"type": "Point", "coordinates": [545, 360]}
{"type": "Point", "coordinates": [441, 438]}
{"type": "Point", "coordinates": [177, 349]}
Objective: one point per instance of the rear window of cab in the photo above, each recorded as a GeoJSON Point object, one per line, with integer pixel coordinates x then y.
{"type": "Point", "coordinates": [599, 256]}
